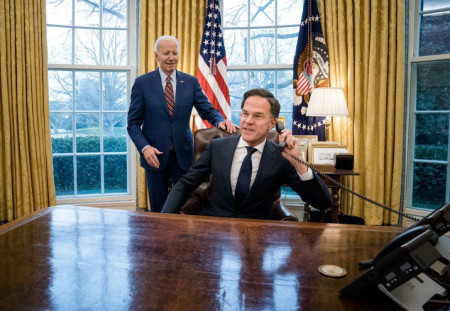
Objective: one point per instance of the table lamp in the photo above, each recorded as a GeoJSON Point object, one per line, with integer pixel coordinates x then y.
{"type": "Point", "coordinates": [327, 102]}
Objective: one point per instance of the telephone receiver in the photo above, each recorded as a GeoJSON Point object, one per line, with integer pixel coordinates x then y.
{"type": "Point", "coordinates": [280, 127]}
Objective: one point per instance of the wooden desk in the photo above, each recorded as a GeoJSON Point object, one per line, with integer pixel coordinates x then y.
{"type": "Point", "coordinates": [80, 258]}
{"type": "Point", "coordinates": [338, 176]}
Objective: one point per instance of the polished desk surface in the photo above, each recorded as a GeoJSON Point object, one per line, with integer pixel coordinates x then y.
{"type": "Point", "coordinates": [80, 258]}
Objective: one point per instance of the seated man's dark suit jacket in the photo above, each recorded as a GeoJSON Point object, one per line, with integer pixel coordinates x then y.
{"type": "Point", "coordinates": [274, 171]}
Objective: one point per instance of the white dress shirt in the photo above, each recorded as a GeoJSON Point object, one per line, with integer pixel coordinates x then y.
{"type": "Point", "coordinates": [173, 79]}
{"type": "Point", "coordinates": [241, 152]}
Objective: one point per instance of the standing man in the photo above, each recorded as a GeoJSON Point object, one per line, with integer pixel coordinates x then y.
{"type": "Point", "coordinates": [248, 170]}
{"type": "Point", "coordinates": [158, 120]}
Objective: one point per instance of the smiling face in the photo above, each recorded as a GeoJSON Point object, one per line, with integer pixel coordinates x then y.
{"type": "Point", "coordinates": [256, 120]}
{"type": "Point", "coordinates": [167, 56]}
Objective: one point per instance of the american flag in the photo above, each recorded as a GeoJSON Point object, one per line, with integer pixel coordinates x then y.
{"type": "Point", "coordinates": [212, 64]}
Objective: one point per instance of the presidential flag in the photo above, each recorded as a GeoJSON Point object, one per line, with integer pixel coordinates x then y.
{"type": "Point", "coordinates": [311, 65]}
{"type": "Point", "coordinates": [212, 64]}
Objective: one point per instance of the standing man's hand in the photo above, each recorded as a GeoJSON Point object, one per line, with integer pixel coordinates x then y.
{"type": "Point", "coordinates": [228, 126]}
{"type": "Point", "coordinates": [151, 156]}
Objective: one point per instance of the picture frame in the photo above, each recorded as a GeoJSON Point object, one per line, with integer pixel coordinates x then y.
{"type": "Point", "coordinates": [325, 154]}
{"type": "Point", "coordinates": [304, 149]}
{"type": "Point", "coordinates": [319, 144]}
{"type": "Point", "coordinates": [282, 119]}
{"type": "Point", "coordinates": [307, 138]}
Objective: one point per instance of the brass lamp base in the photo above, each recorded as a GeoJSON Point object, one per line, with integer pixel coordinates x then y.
{"type": "Point", "coordinates": [327, 123]}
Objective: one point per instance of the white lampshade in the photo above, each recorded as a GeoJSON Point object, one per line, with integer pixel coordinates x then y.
{"type": "Point", "coordinates": [327, 101]}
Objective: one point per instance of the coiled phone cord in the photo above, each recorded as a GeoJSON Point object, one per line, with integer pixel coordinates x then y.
{"type": "Point", "coordinates": [351, 191]}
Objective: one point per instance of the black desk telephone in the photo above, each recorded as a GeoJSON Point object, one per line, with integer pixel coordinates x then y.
{"type": "Point", "coordinates": [402, 269]}
{"type": "Point", "coordinates": [408, 268]}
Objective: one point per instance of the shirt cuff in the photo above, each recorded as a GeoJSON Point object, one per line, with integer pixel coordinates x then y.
{"type": "Point", "coordinates": [142, 151]}
{"type": "Point", "coordinates": [307, 176]}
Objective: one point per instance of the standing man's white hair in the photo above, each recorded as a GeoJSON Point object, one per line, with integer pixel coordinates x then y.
{"type": "Point", "coordinates": [162, 38]}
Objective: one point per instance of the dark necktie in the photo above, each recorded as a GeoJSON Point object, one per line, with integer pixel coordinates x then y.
{"type": "Point", "coordinates": [170, 98]}
{"type": "Point", "coordinates": [245, 175]}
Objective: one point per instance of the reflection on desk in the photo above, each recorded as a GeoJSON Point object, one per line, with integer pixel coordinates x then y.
{"type": "Point", "coordinates": [70, 257]}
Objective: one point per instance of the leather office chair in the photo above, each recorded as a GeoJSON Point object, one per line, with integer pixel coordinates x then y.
{"type": "Point", "coordinates": [195, 203]}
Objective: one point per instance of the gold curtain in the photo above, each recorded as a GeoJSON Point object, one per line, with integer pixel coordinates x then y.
{"type": "Point", "coordinates": [365, 39]}
{"type": "Point", "coordinates": [182, 19]}
{"type": "Point", "coordinates": [26, 174]}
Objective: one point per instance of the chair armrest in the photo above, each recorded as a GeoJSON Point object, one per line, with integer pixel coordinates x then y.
{"type": "Point", "coordinates": [195, 203]}
{"type": "Point", "coordinates": [281, 212]}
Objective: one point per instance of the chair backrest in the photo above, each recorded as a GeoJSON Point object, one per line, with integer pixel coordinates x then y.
{"type": "Point", "coordinates": [204, 136]}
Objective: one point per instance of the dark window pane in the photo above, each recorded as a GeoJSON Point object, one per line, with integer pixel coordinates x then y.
{"type": "Point", "coordinates": [88, 132]}
{"type": "Point", "coordinates": [61, 132]}
{"type": "Point", "coordinates": [429, 185]}
{"type": "Point", "coordinates": [435, 34]}
{"type": "Point", "coordinates": [115, 173]}
{"type": "Point", "coordinates": [431, 137]}
{"type": "Point", "coordinates": [115, 132]}
{"type": "Point", "coordinates": [433, 86]}
{"type": "Point", "coordinates": [88, 174]}
{"type": "Point", "coordinates": [63, 174]}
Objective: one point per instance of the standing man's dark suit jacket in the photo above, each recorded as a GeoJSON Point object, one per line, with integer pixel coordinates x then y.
{"type": "Point", "coordinates": [148, 108]}
{"type": "Point", "coordinates": [274, 171]}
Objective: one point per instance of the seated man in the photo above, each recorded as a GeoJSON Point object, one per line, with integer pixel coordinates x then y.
{"type": "Point", "coordinates": [248, 170]}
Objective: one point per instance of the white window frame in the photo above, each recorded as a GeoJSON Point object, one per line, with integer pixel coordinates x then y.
{"type": "Point", "coordinates": [274, 67]}
{"type": "Point", "coordinates": [128, 200]}
{"type": "Point", "coordinates": [413, 59]}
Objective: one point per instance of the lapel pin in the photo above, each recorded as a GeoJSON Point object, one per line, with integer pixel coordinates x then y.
{"type": "Point", "coordinates": [182, 81]}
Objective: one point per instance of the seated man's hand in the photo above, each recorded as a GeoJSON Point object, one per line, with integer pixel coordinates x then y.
{"type": "Point", "coordinates": [293, 148]}
{"type": "Point", "coordinates": [150, 155]}
{"type": "Point", "coordinates": [228, 126]}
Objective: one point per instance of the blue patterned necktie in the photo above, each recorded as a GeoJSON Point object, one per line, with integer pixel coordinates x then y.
{"type": "Point", "coordinates": [245, 175]}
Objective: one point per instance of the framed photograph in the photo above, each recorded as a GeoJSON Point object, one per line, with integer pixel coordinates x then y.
{"type": "Point", "coordinates": [282, 119]}
{"type": "Point", "coordinates": [307, 138]}
{"type": "Point", "coordinates": [304, 149]}
{"type": "Point", "coordinates": [319, 144]}
{"type": "Point", "coordinates": [325, 154]}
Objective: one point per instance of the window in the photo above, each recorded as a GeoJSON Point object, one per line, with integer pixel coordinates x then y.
{"type": "Point", "coordinates": [428, 168]}
{"type": "Point", "coordinates": [260, 39]}
{"type": "Point", "coordinates": [90, 57]}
